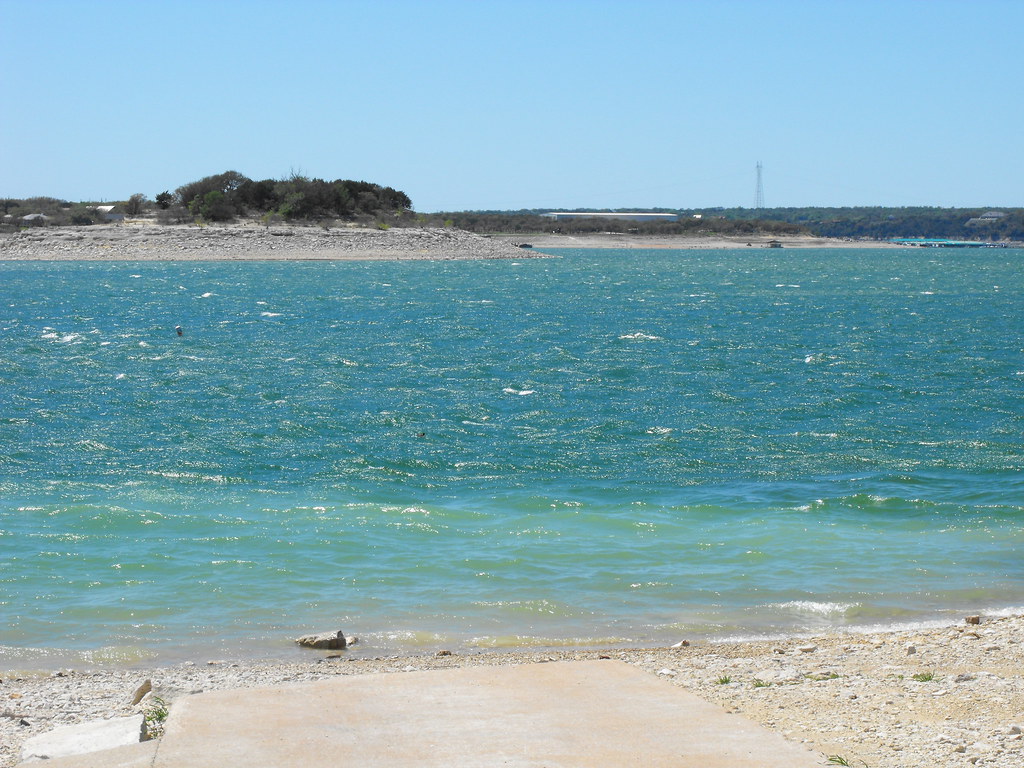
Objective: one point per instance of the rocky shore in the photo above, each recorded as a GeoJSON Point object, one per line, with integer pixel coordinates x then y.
{"type": "Point", "coordinates": [241, 242]}
{"type": "Point", "coordinates": [952, 696]}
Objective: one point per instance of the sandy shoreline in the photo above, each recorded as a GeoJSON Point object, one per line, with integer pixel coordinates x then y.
{"type": "Point", "coordinates": [253, 242]}
{"type": "Point", "coordinates": [688, 242]}
{"type": "Point", "coordinates": [952, 696]}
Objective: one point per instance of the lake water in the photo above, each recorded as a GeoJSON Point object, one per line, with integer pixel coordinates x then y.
{"type": "Point", "coordinates": [609, 447]}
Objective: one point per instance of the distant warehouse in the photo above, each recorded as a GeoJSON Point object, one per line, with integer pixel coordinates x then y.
{"type": "Point", "coordinates": [628, 216]}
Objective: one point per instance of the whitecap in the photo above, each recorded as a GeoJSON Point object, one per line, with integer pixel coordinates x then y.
{"type": "Point", "coordinates": [641, 336]}
{"type": "Point", "coordinates": [93, 445]}
{"type": "Point", "coordinates": [270, 314]}
{"type": "Point", "coordinates": [510, 391]}
{"type": "Point", "coordinates": [815, 607]}
{"type": "Point", "coordinates": [206, 295]}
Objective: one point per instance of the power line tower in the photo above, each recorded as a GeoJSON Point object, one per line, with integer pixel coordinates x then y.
{"type": "Point", "coordinates": [759, 191]}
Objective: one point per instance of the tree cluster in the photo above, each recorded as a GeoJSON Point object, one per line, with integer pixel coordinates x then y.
{"type": "Point", "coordinates": [226, 195]}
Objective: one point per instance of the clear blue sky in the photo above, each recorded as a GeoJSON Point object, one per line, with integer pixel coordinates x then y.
{"type": "Point", "coordinates": [506, 105]}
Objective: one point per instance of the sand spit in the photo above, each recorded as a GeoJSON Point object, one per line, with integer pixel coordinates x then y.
{"type": "Point", "coordinates": [689, 242]}
{"type": "Point", "coordinates": [952, 696]}
{"type": "Point", "coordinates": [249, 242]}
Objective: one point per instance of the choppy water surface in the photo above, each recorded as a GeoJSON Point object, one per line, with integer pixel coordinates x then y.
{"type": "Point", "coordinates": [608, 447]}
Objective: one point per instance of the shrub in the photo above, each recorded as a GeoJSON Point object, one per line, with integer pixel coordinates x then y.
{"type": "Point", "coordinates": [135, 204]}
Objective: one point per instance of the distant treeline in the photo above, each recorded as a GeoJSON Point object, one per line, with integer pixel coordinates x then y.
{"type": "Point", "coordinates": [532, 222]}
{"type": "Point", "coordinates": [231, 195]}
{"type": "Point", "coordinates": [877, 222]}
{"type": "Point", "coordinates": [882, 223]}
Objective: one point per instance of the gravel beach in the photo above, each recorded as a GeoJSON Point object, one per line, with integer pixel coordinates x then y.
{"type": "Point", "coordinates": [146, 241]}
{"type": "Point", "coordinates": [950, 696]}
{"type": "Point", "coordinates": [250, 242]}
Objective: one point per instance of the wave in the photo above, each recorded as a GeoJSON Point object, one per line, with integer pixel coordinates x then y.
{"type": "Point", "coordinates": [638, 336]}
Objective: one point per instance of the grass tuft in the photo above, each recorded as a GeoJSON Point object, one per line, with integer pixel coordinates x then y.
{"type": "Point", "coordinates": [156, 715]}
{"type": "Point", "coordinates": [823, 676]}
{"type": "Point", "coordinates": [840, 760]}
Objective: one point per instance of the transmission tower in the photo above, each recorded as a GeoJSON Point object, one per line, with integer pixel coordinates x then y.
{"type": "Point", "coordinates": [759, 192]}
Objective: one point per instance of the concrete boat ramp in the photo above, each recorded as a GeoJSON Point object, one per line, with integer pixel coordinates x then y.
{"type": "Point", "coordinates": [579, 714]}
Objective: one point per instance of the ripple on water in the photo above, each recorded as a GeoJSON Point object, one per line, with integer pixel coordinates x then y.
{"type": "Point", "coordinates": [609, 446]}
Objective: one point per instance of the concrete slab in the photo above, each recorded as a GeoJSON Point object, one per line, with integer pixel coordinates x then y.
{"type": "Point", "coordinates": [135, 756]}
{"type": "Point", "coordinates": [85, 737]}
{"type": "Point", "coordinates": [556, 715]}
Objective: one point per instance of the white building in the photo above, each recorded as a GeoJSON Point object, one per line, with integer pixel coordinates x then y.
{"type": "Point", "coordinates": [627, 216]}
{"type": "Point", "coordinates": [109, 214]}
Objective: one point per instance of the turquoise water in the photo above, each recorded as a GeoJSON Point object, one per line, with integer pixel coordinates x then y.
{"type": "Point", "coordinates": [609, 447]}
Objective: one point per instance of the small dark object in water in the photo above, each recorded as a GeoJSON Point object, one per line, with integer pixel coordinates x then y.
{"type": "Point", "coordinates": [177, 328]}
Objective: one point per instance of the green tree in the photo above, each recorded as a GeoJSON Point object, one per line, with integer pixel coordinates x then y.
{"type": "Point", "coordinates": [136, 204]}
{"type": "Point", "coordinates": [227, 183]}
{"type": "Point", "coordinates": [214, 206]}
